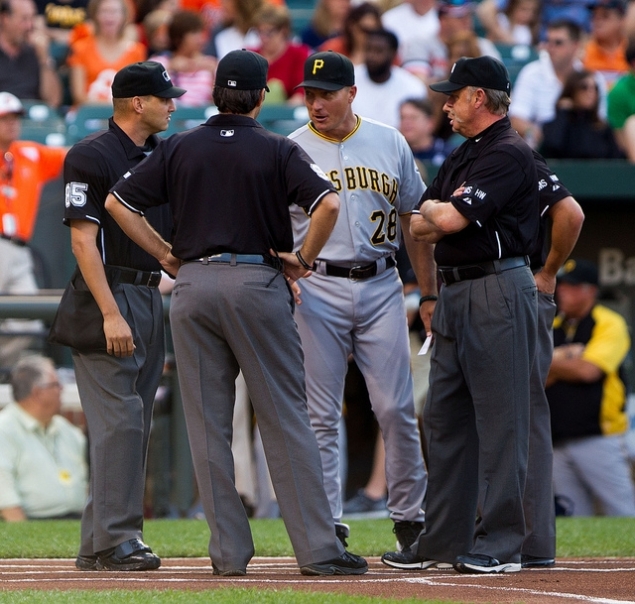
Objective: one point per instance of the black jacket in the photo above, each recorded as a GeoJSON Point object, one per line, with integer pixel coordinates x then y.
{"type": "Point", "coordinates": [573, 134]}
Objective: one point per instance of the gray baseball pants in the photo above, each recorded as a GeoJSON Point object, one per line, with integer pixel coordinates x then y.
{"type": "Point", "coordinates": [225, 318]}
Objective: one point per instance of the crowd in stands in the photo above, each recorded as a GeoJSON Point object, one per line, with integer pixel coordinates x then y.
{"type": "Point", "coordinates": [574, 98]}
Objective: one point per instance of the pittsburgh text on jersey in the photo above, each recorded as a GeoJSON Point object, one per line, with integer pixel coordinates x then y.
{"type": "Point", "coordinates": [361, 177]}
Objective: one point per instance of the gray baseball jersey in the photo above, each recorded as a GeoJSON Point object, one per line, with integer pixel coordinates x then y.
{"type": "Point", "coordinates": [375, 175]}
{"type": "Point", "coordinates": [377, 180]}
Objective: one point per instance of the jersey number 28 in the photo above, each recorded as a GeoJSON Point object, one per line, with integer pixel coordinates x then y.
{"type": "Point", "coordinates": [386, 227]}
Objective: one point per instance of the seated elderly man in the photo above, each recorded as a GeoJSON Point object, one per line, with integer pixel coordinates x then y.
{"type": "Point", "coordinates": [43, 469]}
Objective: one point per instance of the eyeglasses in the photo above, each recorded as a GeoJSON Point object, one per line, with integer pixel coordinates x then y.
{"type": "Point", "coordinates": [51, 385]}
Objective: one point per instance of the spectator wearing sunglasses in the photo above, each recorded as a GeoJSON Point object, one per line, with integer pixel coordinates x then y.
{"type": "Point", "coordinates": [578, 131]}
{"type": "Point", "coordinates": [540, 83]}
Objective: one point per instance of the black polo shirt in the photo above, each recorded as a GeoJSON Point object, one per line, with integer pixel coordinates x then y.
{"type": "Point", "coordinates": [551, 191]}
{"type": "Point", "coordinates": [91, 168]}
{"type": "Point", "coordinates": [20, 75]}
{"type": "Point", "coordinates": [498, 172]}
{"type": "Point", "coordinates": [229, 183]}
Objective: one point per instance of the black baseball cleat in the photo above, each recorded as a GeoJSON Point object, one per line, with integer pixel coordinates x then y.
{"type": "Point", "coordinates": [411, 561]}
{"type": "Point", "coordinates": [129, 555]}
{"type": "Point", "coordinates": [346, 564]}
{"type": "Point", "coordinates": [407, 533]}
{"type": "Point", "coordinates": [406, 556]}
{"type": "Point", "coordinates": [482, 563]}
{"type": "Point", "coordinates": [86, 562]}
{"type": "Point", "coordinates": [528, 561]}
{"type": "Point", "coordinates": [231, 572]}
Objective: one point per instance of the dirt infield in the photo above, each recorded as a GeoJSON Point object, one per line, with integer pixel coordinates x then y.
{"type": "Point", "coordinates": [605, 581]}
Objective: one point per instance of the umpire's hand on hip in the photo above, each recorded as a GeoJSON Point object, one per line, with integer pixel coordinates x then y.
{"type": "Point", "coordinates": [292, 269]}
{"type": "Point", "coordinates": [118, 334]}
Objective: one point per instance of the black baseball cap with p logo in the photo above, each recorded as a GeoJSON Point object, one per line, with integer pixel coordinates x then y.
{"type": "Point", "coordinates": [146, 78]}
{"type": "Point", "coordinates": [328, 70]}
{"type": "Point", "coordinates": [482, 72]}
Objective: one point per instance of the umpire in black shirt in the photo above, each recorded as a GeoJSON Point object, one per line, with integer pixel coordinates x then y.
{"type": "Point", "coordinates": [118, 379]}
{"type": "Point", "coordinates": [229, 184]}
{"type": "Point", "coordinates": [482, 213]}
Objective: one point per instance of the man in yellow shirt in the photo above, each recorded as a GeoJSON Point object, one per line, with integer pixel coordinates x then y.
{"type": "Point", "coordinates": [587, 398]}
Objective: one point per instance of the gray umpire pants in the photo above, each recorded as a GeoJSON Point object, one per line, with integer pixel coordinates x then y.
{"type": "Point", "coordinates": [476, 417]}
{"type": "Point", "coordinates": [225, 318]}
{"type": "Point", "coordinates": [540, 515]}
{"type": "Point", "coordinates": [117, 396]}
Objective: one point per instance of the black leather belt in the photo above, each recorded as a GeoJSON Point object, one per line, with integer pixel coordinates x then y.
{"type": "Point", "coordinates": [132, 277]}
{"type": "Point", "coordinates": [233, 259]}
{"type": "Point", "coordinates": [357, 272]}
{"type": "Point", "coordinates": [15, 240]}
{"type": "Point", "coordinates": [450, 275]}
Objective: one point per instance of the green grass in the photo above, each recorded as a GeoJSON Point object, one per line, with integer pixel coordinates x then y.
{"type": "Point", "coordinates": [188, 538]}
{"type": "Point", "coordinates": [219, 596]}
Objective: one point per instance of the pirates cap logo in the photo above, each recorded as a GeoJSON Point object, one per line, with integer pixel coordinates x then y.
{"type": "Point", "coordinates": [317, 65]}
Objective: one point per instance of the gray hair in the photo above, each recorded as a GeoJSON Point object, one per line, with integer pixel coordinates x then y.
{"type": "Point", "coordinates": [497, 101]}
{"type": "Point", "coordinates": [27, 373]}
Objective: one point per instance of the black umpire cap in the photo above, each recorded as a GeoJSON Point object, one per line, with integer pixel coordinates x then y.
{"type": "Point", "coordinates": [483, 72]}
{"type": "Point", "coordinates": [242, 70]}
{"type": "Point", "coordinates": [144, 79]}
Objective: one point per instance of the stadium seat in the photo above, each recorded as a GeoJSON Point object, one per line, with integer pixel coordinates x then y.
{"type": "Point", "coordinates": [43, 124]}
{"type": "Point", "coordinates": [85, 120]}
{"type": "Point", "coordinates": [282, 118]}
{"type": "Point", "coordinates": [515, 57]}
{"type": "Point", "coordinates": [301, 13]}
{"type": "Point", "coordinates": [185, 118]}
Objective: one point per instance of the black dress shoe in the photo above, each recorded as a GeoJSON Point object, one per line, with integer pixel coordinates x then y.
{"type": "Point", "coordinates": [527, 561]}
{"type": "Point", "coordinates": [346, 564]}
{"type": "Point", "coordinates": [129, 555]}
{"type": "Point", "coordinates": [86, 562]}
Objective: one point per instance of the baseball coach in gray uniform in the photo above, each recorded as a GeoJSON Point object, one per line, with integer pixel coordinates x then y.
{"type": "Point", "coordinates": [229, 184]}
{"type": "Point", "coordinates": [354, 303]}
{"type": "Point", "coordinates": [482, 212]}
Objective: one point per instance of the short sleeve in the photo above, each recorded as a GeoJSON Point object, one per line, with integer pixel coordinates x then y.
{"type": "Point", "coordinates": [411, 187]}
{"type": "Point", "coordinates": [306, 182]}
{"type": "Point", "coordinates": [8, 493]}
{"type": "Point", "coordinates": [86, 185]}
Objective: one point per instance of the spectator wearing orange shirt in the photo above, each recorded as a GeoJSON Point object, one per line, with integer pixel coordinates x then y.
{"type": "Point", "coordinates": [95, 58]}
{"type": "Point", "coordinates": [606, 48]}
{"type": "Point", "coordinates": [24, 168]}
